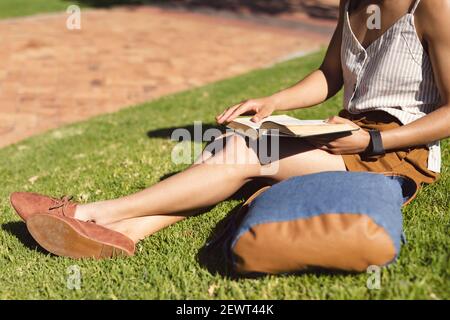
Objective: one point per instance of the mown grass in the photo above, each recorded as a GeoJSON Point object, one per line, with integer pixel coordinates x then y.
{"type": "Point", "coordinates": [113, 155]}
{"type": "Point", "coordinates": [18, 8]}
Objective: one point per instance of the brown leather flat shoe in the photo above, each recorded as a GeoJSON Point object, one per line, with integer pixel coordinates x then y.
{"type": "Point", "coordinates": [27, 204]}
{"type": "Point", "coordinates": [69, 237]}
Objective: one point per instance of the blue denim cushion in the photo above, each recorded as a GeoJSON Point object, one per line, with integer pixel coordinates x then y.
{"type": "Point", "coordinates": [375, 195]}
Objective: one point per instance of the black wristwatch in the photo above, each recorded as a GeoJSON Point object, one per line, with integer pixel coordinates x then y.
{"type": "Point", "coordinates": [375, 147]}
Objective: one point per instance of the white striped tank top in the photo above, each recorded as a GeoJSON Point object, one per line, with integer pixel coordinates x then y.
{"type": "Point", "coordinates": [393, 74]}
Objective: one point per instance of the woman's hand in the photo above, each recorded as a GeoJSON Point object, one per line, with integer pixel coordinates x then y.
{"type": "Point", "coordinates": [260, 108]}
{"type": "Point", "coordinates": [354, 143]}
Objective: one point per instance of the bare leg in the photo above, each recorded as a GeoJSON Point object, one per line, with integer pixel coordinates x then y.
{"type": "Point", "coordinates": [204, 184]}
{"type": "Point", "coordinates": [139, 228]}
{"type": "Point", "coordinates": [201, 185]}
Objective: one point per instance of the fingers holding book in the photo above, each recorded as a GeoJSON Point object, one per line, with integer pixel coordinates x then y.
{"type": "Point", "coordinates": [353, 142]}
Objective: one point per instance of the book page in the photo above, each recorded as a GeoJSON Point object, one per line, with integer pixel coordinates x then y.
{"type": "Point", "coordinates": [280, 119]}
{"type": "Point", "coordinates": [290, 121]}
{"type": "Point", "coordinates": [246, 121]}
{"type": "Point", "coordinates": [283, 125]}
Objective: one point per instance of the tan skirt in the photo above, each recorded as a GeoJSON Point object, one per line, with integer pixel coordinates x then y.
{"type": "Point", "coordinates": [412, 162]}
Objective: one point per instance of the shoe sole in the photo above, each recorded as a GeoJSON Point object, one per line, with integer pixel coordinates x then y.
{"type": "Point", "coordinates": [60, 238]}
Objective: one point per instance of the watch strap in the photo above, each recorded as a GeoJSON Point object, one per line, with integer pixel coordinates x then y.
{"type": "Point", "coordinates": [376, 143]}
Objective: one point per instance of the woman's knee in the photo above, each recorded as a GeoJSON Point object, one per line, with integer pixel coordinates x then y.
{"type": "Point", "coordinates": [234, 149]}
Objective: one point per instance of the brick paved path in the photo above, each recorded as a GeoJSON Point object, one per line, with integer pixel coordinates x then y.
{"type": "Point", "coordinates": [50, 76]}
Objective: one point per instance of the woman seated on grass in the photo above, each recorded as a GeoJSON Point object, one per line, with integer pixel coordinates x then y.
{"type": "Point", "coordinates": [396, 80]}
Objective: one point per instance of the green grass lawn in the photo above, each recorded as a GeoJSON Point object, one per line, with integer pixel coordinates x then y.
{"type": "Point", "coordinates": [112, 155]}
{"type": "Point", "coordinates": [17, 8]}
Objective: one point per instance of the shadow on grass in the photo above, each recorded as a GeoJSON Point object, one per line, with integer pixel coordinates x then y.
{"type": "Point", "coordinates": [213, 255]}
{"type": "Point", "coordinates": [19, 230]}
{"type": "Point", "coordinates": [313, 8]}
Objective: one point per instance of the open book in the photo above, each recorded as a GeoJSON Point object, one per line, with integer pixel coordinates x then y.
{"type": "Point", "coordinates": [287, 126]}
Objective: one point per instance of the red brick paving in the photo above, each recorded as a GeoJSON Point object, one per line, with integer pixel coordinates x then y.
{"type": "Point", "coordinates": [50, 76]}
